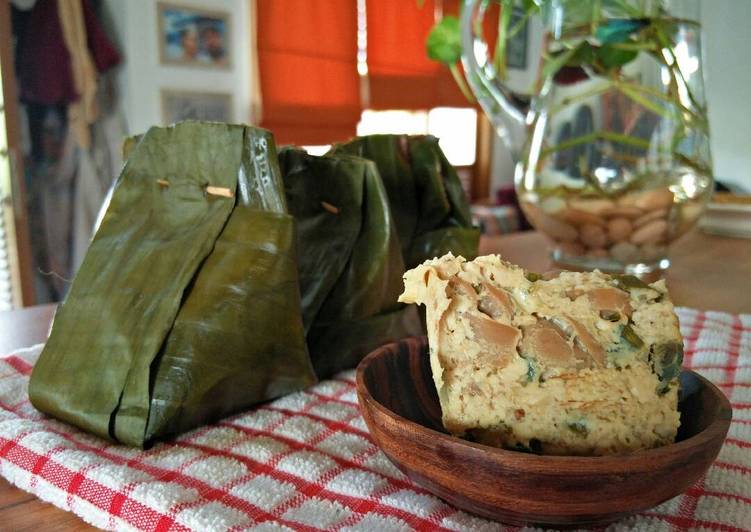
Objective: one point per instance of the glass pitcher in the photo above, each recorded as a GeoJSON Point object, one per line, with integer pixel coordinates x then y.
{"type": "Point", "coordinates": [612, 146]}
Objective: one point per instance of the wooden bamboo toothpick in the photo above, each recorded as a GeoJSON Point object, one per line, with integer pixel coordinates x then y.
{"type": "Point", "coordinates": [329, 207]}
{"type": "Point", "coordinates": [219, 191]}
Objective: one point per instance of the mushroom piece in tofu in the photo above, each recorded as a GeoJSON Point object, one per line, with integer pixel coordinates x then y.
{"type": "Point", "coordinates": [571, 364]}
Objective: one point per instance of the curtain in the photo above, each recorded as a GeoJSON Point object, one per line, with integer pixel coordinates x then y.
{"type": "Point", "coordinates": [307, 64]}
{"type": "Point", "coordinates": [307, 60]}
{"type": "Point", "coordinates": [400, 73]}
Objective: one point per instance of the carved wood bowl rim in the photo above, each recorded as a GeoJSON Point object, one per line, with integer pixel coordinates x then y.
{"type": "Point", "coordinates": [383, 423]}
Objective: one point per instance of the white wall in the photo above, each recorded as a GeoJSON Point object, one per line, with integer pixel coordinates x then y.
{"type": "Point", "coordinates": [727, 46]}
{"type": "Point", "coordinates": [727, 73]}
{"type": "Point", "coordinates": [141, 78]}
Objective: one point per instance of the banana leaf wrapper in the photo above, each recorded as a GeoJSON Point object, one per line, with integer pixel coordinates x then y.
{"type": "Point", "coordinates": [186, 306]}
{"type": "Point", "coordinates": [427, 202]}
{"type": "Point", "coordinates": [350, 261]}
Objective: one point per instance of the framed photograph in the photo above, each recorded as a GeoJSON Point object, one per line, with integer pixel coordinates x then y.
{"type": "Point", "coordinates": [178, 105]}
{"type": "Point", "coordinates": [193, 37]}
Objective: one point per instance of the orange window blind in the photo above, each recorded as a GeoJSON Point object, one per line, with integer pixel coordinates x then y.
{"type": "Point", "coordinates": [307, 59]}
{"type": "Point", "coordinates": [400, 73]}
{"type": "Point", "coordinates": [307, 55]}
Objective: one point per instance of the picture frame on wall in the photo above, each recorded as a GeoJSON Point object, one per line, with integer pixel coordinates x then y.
{"type": "Point", "coordinates": [194, 37]}
{"type": "Point", "coordinates": [179, 105]}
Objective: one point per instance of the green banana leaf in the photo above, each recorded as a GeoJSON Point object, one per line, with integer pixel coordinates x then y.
{"type": "Point", "coordinates": [238, 310]}
{"type": "Point", "coordinates": [350, 261]}
{"type": "Point", "coordinates": [427, 202]}
{"type": "Point", "coordinates": [186, 306]}
{"type": "Point", "coordinates": [314, 187]}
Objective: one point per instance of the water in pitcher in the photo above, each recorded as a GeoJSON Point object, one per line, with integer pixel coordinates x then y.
{"type": "Point", "coordinates": [616, 164]}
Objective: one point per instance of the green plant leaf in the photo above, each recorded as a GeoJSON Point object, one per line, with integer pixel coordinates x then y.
{"type": "Point", "coordinates": [611, 57]}
{"type": "Point", "coordinates": [619, 30]}
{"type": "Point", "coordinates": [444, 41]}
{"type": "Point", "coordinates": [456, 74]}
{"type": "Point", "coordinates": [647, 102]}
{"type": "Point", "coordinates": [624, 139]}
{"type": "Point", "coordinates": [554, 63]}
{"type": "Point", "coordinates": [625, 7]}
{"type": "Point", "coordinates": [635, 45]}
{"type": "Point", "coordinates": [499, 56]}
{"type": "Point", "coordinates": [594, 136]}
{"type": "Point", "coordinates": [581, 54]}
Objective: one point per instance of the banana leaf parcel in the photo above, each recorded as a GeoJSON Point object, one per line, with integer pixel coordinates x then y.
{"type": "Point", "coordinates": [350, 262]}
{"type": "Point", "coordinates": [186, 307]}
{"type": "Point", "coordinates": [427, 201]}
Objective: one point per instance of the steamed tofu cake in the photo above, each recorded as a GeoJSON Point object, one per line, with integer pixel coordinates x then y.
{"type": "Point", "coordinates": [581, 363]}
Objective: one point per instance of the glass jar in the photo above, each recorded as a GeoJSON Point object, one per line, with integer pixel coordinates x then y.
{"type": "Point", "coordinates": [615, 163]}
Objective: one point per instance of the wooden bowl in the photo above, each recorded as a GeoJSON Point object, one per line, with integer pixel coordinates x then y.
{"type": "Point", "coordinates": [400, 405]}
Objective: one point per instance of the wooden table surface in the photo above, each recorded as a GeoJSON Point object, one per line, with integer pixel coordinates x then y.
{"type": "Point", "coordinates": [707, 272]}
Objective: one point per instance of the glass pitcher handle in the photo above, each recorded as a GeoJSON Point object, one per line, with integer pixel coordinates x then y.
{"type": "Point", "coordinates": [502, 107]}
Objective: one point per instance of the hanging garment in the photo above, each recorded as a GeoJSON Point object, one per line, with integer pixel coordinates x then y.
{"type": "Point", "coordinates": [44, 63]}
{"type": "Point", "coordinates": [97, 168]}
{"type": "Point", "coordinates": [83, 111]}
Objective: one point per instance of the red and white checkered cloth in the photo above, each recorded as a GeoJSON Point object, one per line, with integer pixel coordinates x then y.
{"type": "Point", "coordinates": [306, 461]}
